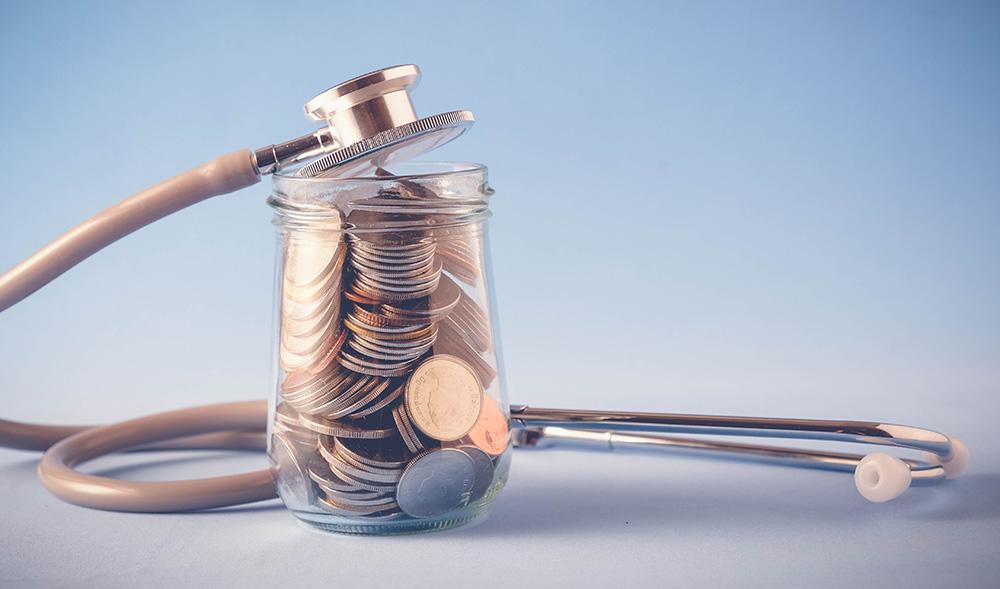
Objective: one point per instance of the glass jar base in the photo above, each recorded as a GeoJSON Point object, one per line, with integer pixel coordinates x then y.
{"type": "Point", "coordinates": [329, 524]}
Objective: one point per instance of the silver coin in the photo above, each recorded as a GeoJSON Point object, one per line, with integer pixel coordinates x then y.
{"type": "Point", "coordinates": [349, 363]}
{"type": "Point", "coordinates": [336, 507]}
{"type": "Point", "coordinates": [342, 397]}
{"type": "Point", "coordinates": [320, 473]}
{"type": "Point", "coordinates": [436, 482]}
{"type": "Point", "coordinates": [290, 474]}
{"type": "Point", "coordinates": [405, 268]}
{"type": "Point", "coordinates": [359, 429]}
{"type": "Point", "coordinates": [362, 499]}
{"type": "Point", "coordinates": [431, 309]}
{"type": "Point", "coordinates": [373, 366]}
{"type": "Point", "coordinates": [363, 398]}
{"type": "Point", "coordinates": [406, 429]}
{"type": "Point", "coordinates": [381, 454]}
{"type": "Point", "coordinates": [297, 435]}
{"type": "Point", "coordinates": [366, 475]}
{"type": "Point", "coordinates": [303, 387]}
{"type": "Point", "coordinates": [285, 414]}
{"type": "Point", "coordinates": [328, 395]}
{"type": "Point", "coordinates": [483, 469]}
{"type": "Point", "coordinates": [359, 471]}
{"type": "Point", "coordinates": [361, 484]}
{"type": "Point", "coordinates": [388, 354]}
{"type": "Point", "coordinates": [394, 392]}
{"type": "Point", "coordinates": [387, 248]}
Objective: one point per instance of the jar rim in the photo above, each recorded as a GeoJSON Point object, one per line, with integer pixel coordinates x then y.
{"type": "Point", "coordinates": [434, 169]}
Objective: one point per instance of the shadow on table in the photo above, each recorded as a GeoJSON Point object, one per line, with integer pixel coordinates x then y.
{"type": "Point", "coordinates": [582, 503]}
{"type": "Point", "coordinates": [971, 497]}
{"type": "Point", "coordinates": [614, 506]}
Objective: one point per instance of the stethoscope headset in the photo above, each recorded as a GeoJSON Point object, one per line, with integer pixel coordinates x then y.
{"type": "Point", "coordinates": [369, 122]}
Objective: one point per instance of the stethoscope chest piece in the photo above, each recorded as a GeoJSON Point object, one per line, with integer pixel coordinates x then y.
{"type": "Point", "coordinates": [372, 123]}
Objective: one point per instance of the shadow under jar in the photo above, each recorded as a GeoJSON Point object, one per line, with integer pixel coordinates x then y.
{"type": "Point", "coordinates": [389, 413]}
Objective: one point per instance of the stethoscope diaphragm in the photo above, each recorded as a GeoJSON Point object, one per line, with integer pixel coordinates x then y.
{"type": "Point", "coordinates": [401, 143]}
{"type": "Point", "coordinates": [371, 123]}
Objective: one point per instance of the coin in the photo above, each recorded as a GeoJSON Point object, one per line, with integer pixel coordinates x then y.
{"type": "Point", "coordinates": [325, 479]}
{"type": "Point", "coordinates": [491, 434]}
{"type": "Point", "coordinates": [358, 470]}
{"type": "Point", "coordinates": [310, 302]}
{"type": "Point", "coordinates": [308, 260]}
{"type": "Point", "coordinates": [382, 454]}
{"type": "Point", "coordinates": [394, 392]}
{"type": "Point", "coordinates": [406, 430]}
{"type": "Point", "coordinates": [360, 430]}
{"type": "Point", "coordinates": [373, 367]}
{"type": "Point", "coordinates": [391, 271]}
{"type": "Point", "coordinates": [286, 423]}
{"type": "Point", "coordinates": [461, 258]}
{"type": "Point", "coordinates": [444, 397]}
{"type": "Point", "coordinates": [483, 468]}
{"type": "Point", "coordinates": [472, 323]}
{"type": "Point", "coordinates": [290, 474]}
{"type": "Point", "coordinates": [433, 308]}
{"type": "Point", "coordinates": [325, 394]}
{"type": "Point", "coordinates": [407, 333]}
{"type": "Point", "coordinates": [436, 482]}
{"type": "Point", "coordinates": [334, 506]}
{"type": "Point", "coordinates": [362, 499]}
{"type": "Point", "coordinates": [450, 343]}
{"type": "Point", "coordinates": [365, 397]}
{"type": "Point", "coordinates": [322, 286]}
{"type": "Point", "coordinates": [361, 484]}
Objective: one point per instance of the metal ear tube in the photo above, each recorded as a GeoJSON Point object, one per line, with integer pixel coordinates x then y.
{"type": "Point", "coordinates": [878, 477]}
{"type": "Point", "coordinates": [389, 413]}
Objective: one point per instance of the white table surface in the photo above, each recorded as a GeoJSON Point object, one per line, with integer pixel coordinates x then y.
{"type": "Point", "coordinates": [566, 519]}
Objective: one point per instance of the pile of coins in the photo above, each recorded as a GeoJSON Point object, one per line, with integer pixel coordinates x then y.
{"type": "Point", "coordinates": [386, 359]}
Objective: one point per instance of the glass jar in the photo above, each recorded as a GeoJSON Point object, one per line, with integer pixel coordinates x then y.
{"type": "Point", "coordinates": [389, 413]}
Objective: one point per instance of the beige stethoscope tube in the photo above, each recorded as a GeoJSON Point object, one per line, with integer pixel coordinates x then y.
{"type": "Point", "coordinates": [229, 426]}
{"type": "Point", "coordinates": [219, 176]}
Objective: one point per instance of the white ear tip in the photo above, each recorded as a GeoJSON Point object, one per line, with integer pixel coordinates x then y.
{"type": "Point", "coordinates": [955, 466]}
{"type": "Point", "coordinates": [880, 477]}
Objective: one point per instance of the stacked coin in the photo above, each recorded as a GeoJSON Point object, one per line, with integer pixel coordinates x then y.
{"type": "Point", "coordinates": [460, 253]}
{"type": "Point", "coordinates": [386, 359]}
{"type": "Point", "coordinates": [310, 302]}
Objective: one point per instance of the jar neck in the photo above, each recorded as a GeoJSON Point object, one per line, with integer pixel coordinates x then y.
{"type": "Point", "coordinates": [421, 196]}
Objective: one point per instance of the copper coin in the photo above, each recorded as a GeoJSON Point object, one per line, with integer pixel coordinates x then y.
{"type": "Point", "coordinates": [491, 434]}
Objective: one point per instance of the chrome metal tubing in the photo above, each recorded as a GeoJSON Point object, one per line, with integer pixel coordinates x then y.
{"type": "Point", "coordinates": [644, 431]}
{"type": "Point", "coordinates": [923, 473]}
{"type": "Point", "coordinates": [272, 158]}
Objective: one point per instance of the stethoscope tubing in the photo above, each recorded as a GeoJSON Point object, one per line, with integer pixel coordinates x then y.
{"type": "Point", "coordinates": [242, 425]}
{"type": "Point", "coordinates": [224, 426]}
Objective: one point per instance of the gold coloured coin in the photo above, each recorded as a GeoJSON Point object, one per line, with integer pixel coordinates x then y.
{"type": "Point", "coordinates": [444, 397]}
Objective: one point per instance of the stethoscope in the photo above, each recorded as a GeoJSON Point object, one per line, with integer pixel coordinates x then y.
{"type": "Point", "coordinates": [370, 123]}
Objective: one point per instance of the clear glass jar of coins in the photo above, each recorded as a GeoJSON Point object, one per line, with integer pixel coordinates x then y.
{"type": "Point", "coordinates": [389, 413]}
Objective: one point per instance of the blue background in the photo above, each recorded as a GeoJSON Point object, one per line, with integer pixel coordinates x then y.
{"type": "Point", "coordinates": [747, 208]}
